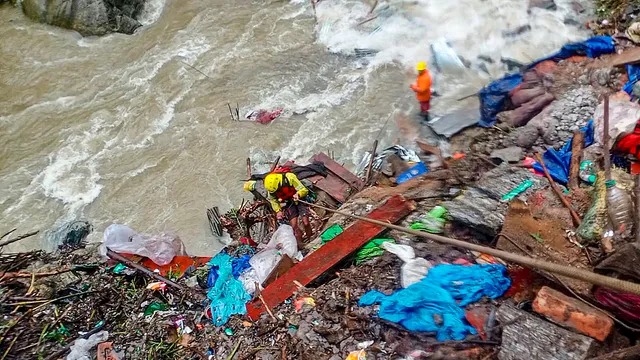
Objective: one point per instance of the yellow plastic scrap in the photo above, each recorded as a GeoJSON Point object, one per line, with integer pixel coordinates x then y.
{"type": "Point", "coordinates": [357, 355]}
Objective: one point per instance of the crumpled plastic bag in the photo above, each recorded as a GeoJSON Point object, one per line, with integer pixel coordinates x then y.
{"type": "Point", "coordinates": [82, 347]}
{"type": "Point", "coordinates": [161, 248]}
{"type": "Point", "coordinates": [414, 269]}
{"type": "Point", "coordinates": [623, 115]}
{"type": "Point", "coordinates": [283, 241]}
{"type": "Point", "coordinates": [228, 296]}
{"type": "Point", "coordinates": [445, 291]}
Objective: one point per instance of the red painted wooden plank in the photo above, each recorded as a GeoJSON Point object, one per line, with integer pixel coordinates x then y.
{"type": "Point", "coordinates": [323, 259]}
{"type": "Point", "coordinates": [339, 170]}
{"type": "Point", "coordinates": [335, 187]}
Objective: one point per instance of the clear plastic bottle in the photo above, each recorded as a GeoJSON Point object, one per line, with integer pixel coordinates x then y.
{"type": "Point", "coordinates": [620, 209]}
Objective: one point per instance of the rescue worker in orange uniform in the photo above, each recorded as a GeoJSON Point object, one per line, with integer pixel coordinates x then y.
{"type": "Point", "coordinates": [422, 88]}
{"type": "Point", "coordinates": [284, 190]}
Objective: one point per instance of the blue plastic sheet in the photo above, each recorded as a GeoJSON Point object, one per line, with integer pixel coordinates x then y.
{"type": "Point", "coordinates": [238, 266]}
{"type": "Point", "coordinates": [634, 75]}
{"type": "Point", "coordinates": [227, 295]}
{"type": "Point", "coordinates": [558, 161]}
{"type": "Point", "coordinates": [493, 97]}
{"type": "Point", "coordinates": [444, 291]}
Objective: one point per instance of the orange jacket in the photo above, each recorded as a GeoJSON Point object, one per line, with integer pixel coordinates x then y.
{"type": "Point", "coordinates": [422, 86]}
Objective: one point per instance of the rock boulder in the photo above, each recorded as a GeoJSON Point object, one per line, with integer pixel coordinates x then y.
{"type": "Point", "coordinates": [88, 17]}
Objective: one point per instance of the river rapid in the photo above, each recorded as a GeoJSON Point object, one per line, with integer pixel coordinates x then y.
{"type": "Point", "coordinates": [119, 129]}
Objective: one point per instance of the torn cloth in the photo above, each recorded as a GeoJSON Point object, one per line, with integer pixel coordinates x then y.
{"type": "Point", "coordinates": [444, 292]}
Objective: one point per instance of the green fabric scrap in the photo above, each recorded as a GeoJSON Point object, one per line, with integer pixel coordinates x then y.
{"type": "Point", "coordinates": [331, 232]}
{"type": "Point", "coordinates": [371, 250]}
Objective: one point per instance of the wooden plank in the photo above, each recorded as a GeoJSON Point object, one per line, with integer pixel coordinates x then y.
{"type": "Point", "coordinates": [335, 187]}
{"type": "Point", "coordinates": [283, 266]}
{"type": "Point", "coordinates": [339, 171]}
{"type": "Point", "coordinates": [525, 336]}
{"type": "Point", "coordinates": [629, 56]}
{"type": "Point", "coordinates": [318, 262]}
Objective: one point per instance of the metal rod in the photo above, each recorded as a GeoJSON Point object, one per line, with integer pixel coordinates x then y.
{"type": "Point", "coordinates": [563, 270]}
{"type": "Point", "coordinates": [231, 112]}
{"type": "Point", "coordinates": [370, 166]}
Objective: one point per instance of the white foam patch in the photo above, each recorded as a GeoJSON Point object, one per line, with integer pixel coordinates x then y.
{"type": "Point", "coordinates": [151, 12]}
{"type": "Point", "coordinates": [72, 175]}
{"type": "Point", "coordinates": [402, 31]}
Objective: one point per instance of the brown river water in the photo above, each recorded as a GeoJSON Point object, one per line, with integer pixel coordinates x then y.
{"type": "Point", "coordinates": [118, 129]}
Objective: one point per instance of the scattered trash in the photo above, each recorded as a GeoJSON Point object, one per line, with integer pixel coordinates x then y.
{"type": "Point", "coordinates": [357, 355]}
{"type": "Point", "coordinates": [587, 172]}
{"type": "Point", "coordinates": [159, 248]}
{"type": "Point", "coordinates": [228, 331]}
{"type": "Point", "coordinates": [157, 286]}
{"type": "Point", "coordinates": [371, 250]}
{"type": "Point", "coordinates": [153, 307]}
{"type": "Point", "coordinates": [228, 295]}
{"type": "Point", "coordinates": [433, 221]}
{"type": "Point", "coordinates": [443, 292]}
{"type": "Point", "coordinates": [300, 303]}
{"type": "Point", "coordinates": [414, 269]}
{"type": "Point", "coordinates": [416, 170]}
{"type": "Point", "coordinates": [81, 348]}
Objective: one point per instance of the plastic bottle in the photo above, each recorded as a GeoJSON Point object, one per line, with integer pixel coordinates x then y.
{"type": "Point", "coordinates": [620, 209]}
{"type": "Point", "coordinates": [587, 172]}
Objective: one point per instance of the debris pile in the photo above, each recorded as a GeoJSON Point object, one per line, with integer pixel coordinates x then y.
{"type": "Point", "coordinates": [527, 253]}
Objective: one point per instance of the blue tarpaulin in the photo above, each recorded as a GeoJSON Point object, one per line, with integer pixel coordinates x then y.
{"type": "Point", "coordinates": [634, 75]}
{"type": "Point", "coordinates": [444, 291]}
{"type": "Point", "coordinates": [557, 161]}
{"type": "Point", "coordinates": [494, 96]}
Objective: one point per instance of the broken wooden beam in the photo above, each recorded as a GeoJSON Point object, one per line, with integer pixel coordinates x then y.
{"type": "Point", "coordinates": [563, 200]}
{"type": "Point", "coordinates": [330, 254]}
{"type": "Point", "coordinates": [342, 173]}
{"type": "Point", "coordinates": [525, 336]}
{"type": "Point", "coordinates": [577, 145]}
{"type": "Point", "coordinates": [630, 353]}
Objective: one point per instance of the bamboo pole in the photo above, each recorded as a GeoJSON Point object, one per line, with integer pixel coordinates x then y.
{"type": "Point", "coordinates": [568, 271]}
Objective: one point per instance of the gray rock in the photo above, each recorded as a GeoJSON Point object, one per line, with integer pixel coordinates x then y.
{"type": "Point", "coordinates": [543, 4]}
{"type": "Point", "coordinates": [88, 17]}
{"type": "Point", "coordinates": [480, 208]}
{"type": "Point", "coordinates": [527, 136]}
{"type": "Point", "coordinates": [511, 154]}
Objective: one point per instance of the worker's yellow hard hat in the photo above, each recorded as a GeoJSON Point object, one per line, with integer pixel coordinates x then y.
{"type": "Point", "coordinates": [249, 185]}
{"type": "Point", "coordinates": [272, 182]}
{"type": "Point", "coordinates": [421, 66]}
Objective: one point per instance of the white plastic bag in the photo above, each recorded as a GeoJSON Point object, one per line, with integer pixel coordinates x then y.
{"type": "Point", "coordinates": [161, 249]}
{"type": "Point", "coordinates": [413, 269]}
{"type": "Point", "coordinates": [283, 241]}
{"type": "Point", "coordinates": [623, 115]}
{"type": "Point", "coordinates": [82, 347]}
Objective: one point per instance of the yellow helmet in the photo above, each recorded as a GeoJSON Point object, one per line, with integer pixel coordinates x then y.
{"type": "Point", "coordinates": [272, 182]}
{"type": "Point", "coordinates": [249, 185]}
{"type": "Point", "coordinates": [421, 66]}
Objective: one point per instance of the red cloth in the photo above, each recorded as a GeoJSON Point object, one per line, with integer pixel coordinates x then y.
{"type": "Point", "coordinates": [425, 106]}
{"type": "Point", "coordinates": [625, 305]}
{"type": "Point", "coordinates": [265, 116]}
